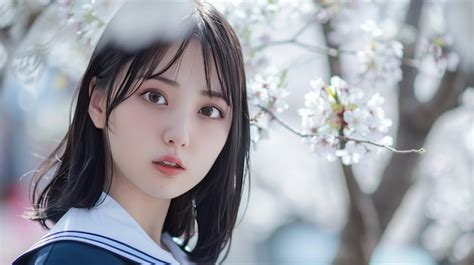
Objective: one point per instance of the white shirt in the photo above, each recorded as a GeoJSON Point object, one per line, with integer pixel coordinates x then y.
{"type": "Point", "coordinates": [109, 226]}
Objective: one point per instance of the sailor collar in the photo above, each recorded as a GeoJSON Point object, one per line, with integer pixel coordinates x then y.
{"type": "Point", "coordinates": [108, 225]}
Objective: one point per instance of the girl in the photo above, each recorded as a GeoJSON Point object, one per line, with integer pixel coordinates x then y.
{"type": "Point", "coordinates": [157, 149]}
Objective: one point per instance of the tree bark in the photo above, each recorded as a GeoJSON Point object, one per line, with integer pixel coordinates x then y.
{"type": "Point", "coordinates": [361, 233]}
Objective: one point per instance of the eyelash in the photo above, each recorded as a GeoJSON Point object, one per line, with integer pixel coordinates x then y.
{"type": "Point", "coordinates": [148, 92]}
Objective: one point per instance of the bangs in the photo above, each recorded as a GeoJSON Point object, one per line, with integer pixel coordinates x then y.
{"type": "Point", "coordinates": [211, 60]}
{"type": "Point", "coordinates": [219, 46]}
{"type": "Point", "coordinates": [212, 55]}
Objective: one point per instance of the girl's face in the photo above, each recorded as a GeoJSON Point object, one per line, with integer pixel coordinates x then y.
{"type": "Point", "coordinates": [169, 115]}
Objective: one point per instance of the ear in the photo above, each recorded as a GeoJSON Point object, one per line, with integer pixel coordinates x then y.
{"type": "Point", "coordinates": [97, 105]}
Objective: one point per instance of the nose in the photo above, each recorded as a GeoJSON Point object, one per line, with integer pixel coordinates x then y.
{"type": "Point", "coordinates": [177, 133]}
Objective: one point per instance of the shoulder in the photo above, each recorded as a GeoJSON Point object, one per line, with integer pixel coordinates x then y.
{"type": "Point", "coordinates": [70, 252]}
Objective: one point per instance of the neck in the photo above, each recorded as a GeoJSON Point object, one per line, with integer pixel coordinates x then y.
{"type": "Point", "coordinates": [149, 212]}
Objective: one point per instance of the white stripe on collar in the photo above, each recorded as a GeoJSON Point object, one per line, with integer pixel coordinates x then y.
{"type": "Point", "coordinates": [110, 226]}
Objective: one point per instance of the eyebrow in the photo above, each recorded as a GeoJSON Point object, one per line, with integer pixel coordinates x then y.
{"type": "Point", "coordinates": [164, 80]}
{"type": "Point", "coordinates": [215, 94]}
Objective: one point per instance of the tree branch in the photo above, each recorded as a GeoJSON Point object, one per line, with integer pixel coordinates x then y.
{"type": "Point", "coordinates": [451, 87]}
{"type": "Point", "coordinates": [362, 224]}
{"type": "Point", "coordinates": [407, 98]}
{"type": "Point", "coordinates": [342, 138]}
{"type": "Point", "coordinates": [334, 63]}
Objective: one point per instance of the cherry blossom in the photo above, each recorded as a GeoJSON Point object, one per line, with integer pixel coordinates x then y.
{"type": "Point", "coordinates": [268, 90]}
{"type": "Point", "coordinates": [437, 51]}
{"type": "Point", "coordinates": [380, 58]}
{"type": "Point", "coordinates": [352, 153]}
{"type": "Point", "coordinates": [249, 20]}
{"type": "Point", "coordinates": [339, 108]}
{"type": "Point", "coordinates": [259, 129]}
{"type": "Point", "coordinates": [324, 144]}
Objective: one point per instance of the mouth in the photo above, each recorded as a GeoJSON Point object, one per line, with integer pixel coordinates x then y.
{"type": "Point", "coordinates": [168, 170]}
{"type": "Point", "coordinates": [169, 165]}
{"type": "Point", "coordinates": [166, 163]}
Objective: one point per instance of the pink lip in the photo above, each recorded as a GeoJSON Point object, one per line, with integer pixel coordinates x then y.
{"type": "Point", "coordinates": [169, 171]}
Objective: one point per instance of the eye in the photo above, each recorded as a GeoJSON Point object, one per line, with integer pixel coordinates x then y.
{"type": "Point", "coordinates": [212, 112]}
{"type": "Point", "coordinates": [155, 97]}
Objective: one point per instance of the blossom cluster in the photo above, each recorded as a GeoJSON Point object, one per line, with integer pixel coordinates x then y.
{"type": "Point", "coordinates": [438, 51]}
{"type": "Point", "coordinates": [268, 90]}
{"type": "Point", "coordinates": [380, 57]}
{"type": "Point", "coordinates": [336, 119]}
{"type": "Point", "coordinates": [251, 21]}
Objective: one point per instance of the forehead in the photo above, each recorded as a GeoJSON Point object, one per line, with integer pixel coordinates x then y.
{"type": "Point", "coordinates": [189, 68]}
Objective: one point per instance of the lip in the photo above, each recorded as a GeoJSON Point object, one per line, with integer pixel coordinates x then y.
{"type": "Point", "coordinates": [169, 171]}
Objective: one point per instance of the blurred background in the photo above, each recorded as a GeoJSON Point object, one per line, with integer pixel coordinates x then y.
{"type": "Point", "coordinates": [305, 207]}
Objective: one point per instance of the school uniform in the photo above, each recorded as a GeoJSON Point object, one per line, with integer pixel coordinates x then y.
{"type": "Point", "coordinates": [105, 234]}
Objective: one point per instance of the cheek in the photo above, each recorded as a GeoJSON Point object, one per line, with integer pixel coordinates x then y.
{"type": "Point", "coordinates": [211, 143]}
{"type": "Point", "coordinates": [129, 132]}
{"type": "Point", "coordinates": [130, 120]}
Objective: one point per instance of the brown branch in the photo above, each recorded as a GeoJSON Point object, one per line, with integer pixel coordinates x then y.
{"type": "Point", "coordinates": [334, 62]}
{"type": "Point", "coordinates": [413, 14]}
{"type": "Point", "coordinates": [362, 224]}
{"type": "Point", "coordinates": [447, 97]}
{"type": "Point", "coordinates": [407, 98]}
